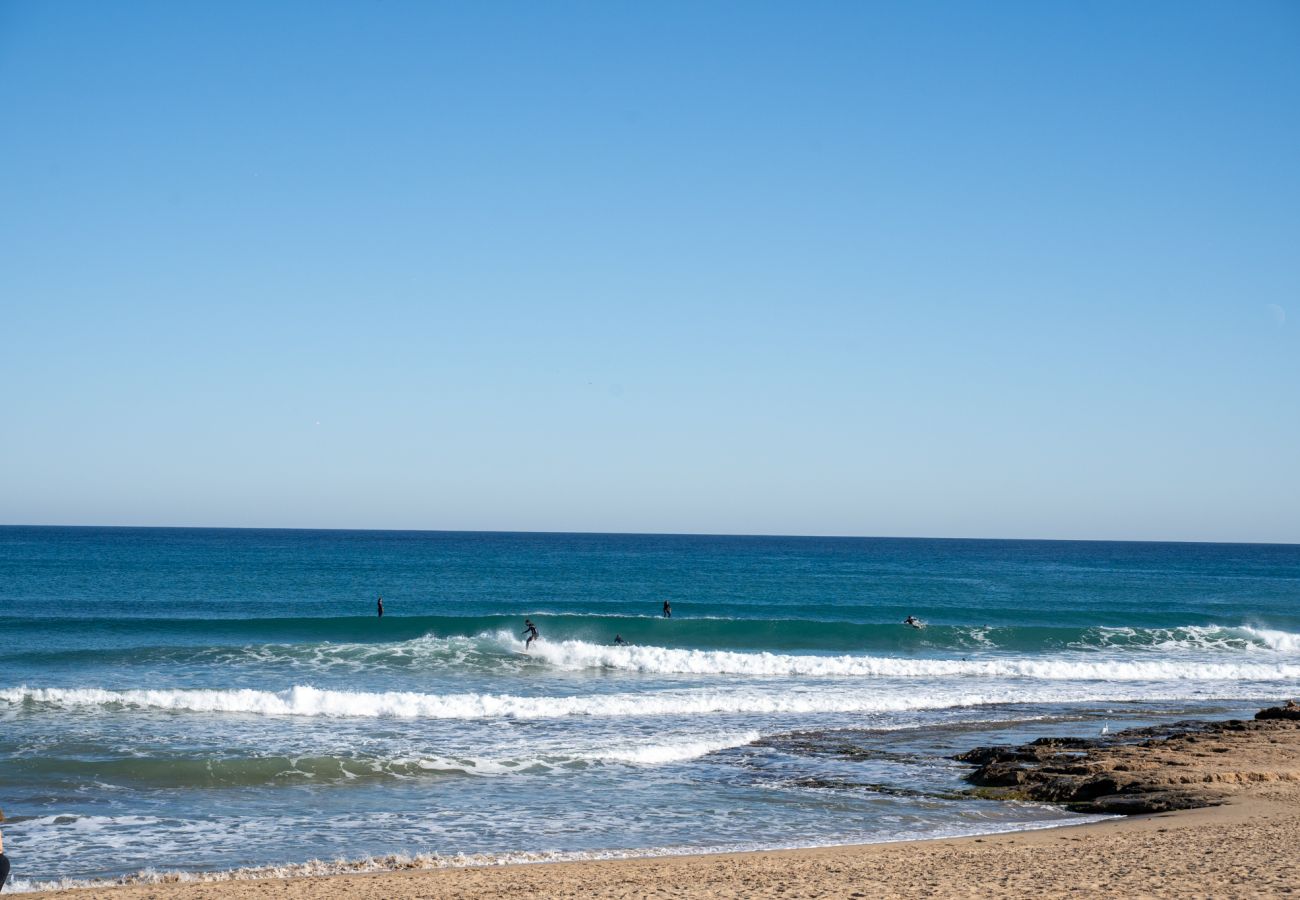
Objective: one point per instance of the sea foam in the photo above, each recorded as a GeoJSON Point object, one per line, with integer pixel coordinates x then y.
{"type": "Point", "coordinates": [1282, 641]}
{"type": "Point", "coordinates": [1080, 667]}
{"type": "Point", "coordinates": [304, 700]}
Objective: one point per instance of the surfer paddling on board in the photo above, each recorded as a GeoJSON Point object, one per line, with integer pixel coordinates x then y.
{"type": "Point", "coordinates": [914, 622]}
{"type": "Point", "coordinates": [530, 631]}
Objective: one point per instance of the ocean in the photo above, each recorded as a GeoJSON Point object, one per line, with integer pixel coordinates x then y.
{"type": "Point", "coordinates": [211, 700]}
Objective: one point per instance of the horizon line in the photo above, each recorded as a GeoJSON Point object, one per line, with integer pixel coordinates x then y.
{"type": "Point", "coordinates": [860, 537]}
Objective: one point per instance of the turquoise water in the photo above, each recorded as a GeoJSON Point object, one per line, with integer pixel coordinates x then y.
{"type": "Point", "coordinates": [206, 700]}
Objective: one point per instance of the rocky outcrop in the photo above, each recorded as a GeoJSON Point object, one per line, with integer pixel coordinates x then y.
{"type": "Point", "coordinates": [1290, 711]}
{"type": "Point", "coordinates": [1145, 770]}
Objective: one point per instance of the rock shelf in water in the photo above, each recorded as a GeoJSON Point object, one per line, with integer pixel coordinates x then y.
{"type": "Point", "coordinates": [1146, 770]}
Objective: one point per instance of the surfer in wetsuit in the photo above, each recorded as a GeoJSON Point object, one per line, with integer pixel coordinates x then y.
{"type": "Point", "coordinates": [530, 631]}
{"type": "Point", "coordinates": [668, 610]}
{"type": "Point", "coordinates": [381, 607]}
{"type": "Point", "coordinates": [618, 639]}
{"type": "Point", "coordinates": [913, 621]}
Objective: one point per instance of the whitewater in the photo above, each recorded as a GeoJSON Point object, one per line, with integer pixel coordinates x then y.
{"type": "Point", "coordinates": [227, 701]}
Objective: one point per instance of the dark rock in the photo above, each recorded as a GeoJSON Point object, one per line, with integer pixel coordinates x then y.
{"type": "Point", "coordinates": [1064, 743]}
{"type": "Point", "coordinates": [998, 774]}
{"type": "Point", "coordinates": [979, 756]}
{"type": "Point", "coordinates": [1145, 804]}
{"type": "Point", "coordinates": [1093, 788]}
{"type": "Point", "coordinates": [1290, 711]}
{"type": "Point", "coordinates": [983, 756]}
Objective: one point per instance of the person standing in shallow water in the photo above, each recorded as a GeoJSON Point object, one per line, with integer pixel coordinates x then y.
{"type": "Point", "coordinates": [4, 860]}
{"type": "Point", "coordinates": [381, 607]}
{"type": "Point", "coordinates": [668, 610]}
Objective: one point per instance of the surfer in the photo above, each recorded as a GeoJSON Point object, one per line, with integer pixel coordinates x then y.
{"type": "Point", "coordinates": [381, 607]}
{"type": "Point", "coordinates": [913, 621]}
{"type": "Point", "coordinates": [4, 860]}
{"type": "Point", "coordinates": [618, 639]}
{"type": "Point", "coordinates": [668, 610]}
{"type": "Point", "coordinates": [530, 631]}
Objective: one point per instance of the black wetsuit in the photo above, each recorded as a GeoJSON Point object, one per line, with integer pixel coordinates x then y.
{"type": "Point", "coordinates": [4, 870]}
{"type": "Point", "coordinates": [668, 610]}
{"type": "Point", "coordinates": [381, 607]}
{"type": "Point", "coordinates": [531, 632]}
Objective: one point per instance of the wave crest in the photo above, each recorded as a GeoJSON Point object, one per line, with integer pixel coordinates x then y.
{"type": "Point", "coordinates": [302, 700]}
{"type": "Point", "coordinates": [671, 661]}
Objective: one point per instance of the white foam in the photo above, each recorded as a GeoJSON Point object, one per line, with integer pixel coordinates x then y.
{"type": "Point", "coordinates": [1224, 639]}
{"type": "Point", "coordinates": [426, 651]}
{"type": "Point", "coordinates": [639, 755]}
{"type": "Point", "coordinates": [659, 754]}
{"type": "Point", "coordinates": [1282, 641]}
{"type": "Point", "coordinates": [302, 700]}
{"type": "Point", "coordinates": [1083, 667]}
{"type": "Point", "coordinates": [483, 651]}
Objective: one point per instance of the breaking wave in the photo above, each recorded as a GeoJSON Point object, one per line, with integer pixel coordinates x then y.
{"type": "Point", "coordinates": [303, 700]}
{"type": "Point", "coordinates": [1091, 653]}
{"type": "Point", "coordinates": [470, 640]}
{"type": "Point", "coordinates": [240, 771]}
{"type": "Point", "coordinates": [1077, 667]}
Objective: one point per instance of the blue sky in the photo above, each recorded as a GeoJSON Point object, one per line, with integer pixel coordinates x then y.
{"type": "Point", "coordinates": [952, 269]}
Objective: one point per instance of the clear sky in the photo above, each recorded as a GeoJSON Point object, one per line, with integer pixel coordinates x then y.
{"type": "Point", "coordinates": [952, 269]}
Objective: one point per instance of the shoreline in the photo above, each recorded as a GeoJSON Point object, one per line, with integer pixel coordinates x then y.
{"type": "Point", "coordinates": [1169, 854]}
{"type": "Point", "coordinates": [1241, 781]}
{"type": "Point", "coordinates": [416, 863]}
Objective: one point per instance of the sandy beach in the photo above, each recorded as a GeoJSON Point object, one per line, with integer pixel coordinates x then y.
{"type": "Point", "coordinates": [1245, 846]}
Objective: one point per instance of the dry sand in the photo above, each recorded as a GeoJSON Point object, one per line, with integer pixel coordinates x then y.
{"type": "Point", "coordinates": [1248, 847]}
